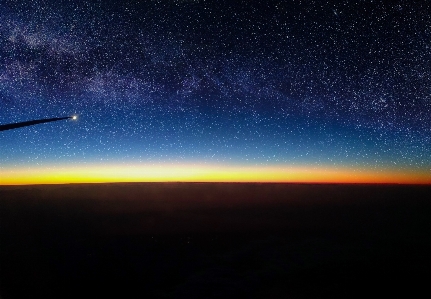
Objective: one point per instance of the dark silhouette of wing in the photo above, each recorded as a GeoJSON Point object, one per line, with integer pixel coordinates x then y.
{"type": "Point", "coordinates": [31, 122]}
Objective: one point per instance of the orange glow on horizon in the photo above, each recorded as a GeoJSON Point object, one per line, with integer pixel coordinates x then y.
{"type": "Point", "coordinates": [206, 173]}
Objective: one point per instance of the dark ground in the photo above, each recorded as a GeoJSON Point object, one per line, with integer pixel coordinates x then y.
{"type": "Point", "coordinates": [181, 240]}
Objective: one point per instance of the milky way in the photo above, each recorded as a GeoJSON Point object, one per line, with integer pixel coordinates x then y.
{"type": "Point", "coordinates": [314, 83]}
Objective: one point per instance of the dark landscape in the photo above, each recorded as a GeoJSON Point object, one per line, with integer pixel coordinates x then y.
{"type": "Point", "coordinates": [214, 240]}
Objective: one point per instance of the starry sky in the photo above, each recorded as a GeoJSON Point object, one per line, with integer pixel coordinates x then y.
{"type": "Point", "coordinates": [199, 90]}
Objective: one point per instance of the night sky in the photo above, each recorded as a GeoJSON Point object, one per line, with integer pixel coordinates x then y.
{"type": "Point", "coordinates": [194, 90]}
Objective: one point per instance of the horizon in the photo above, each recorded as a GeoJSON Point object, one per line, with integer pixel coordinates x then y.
{"type": "Point", "coordinates": [207, 174]}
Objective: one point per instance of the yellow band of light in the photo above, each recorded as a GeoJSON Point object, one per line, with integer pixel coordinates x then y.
{"type": "Point", "coordinates": [205, 173]}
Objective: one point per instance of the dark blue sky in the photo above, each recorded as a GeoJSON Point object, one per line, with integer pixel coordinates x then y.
{"type": "Point", "coordinates": [341, 83]}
